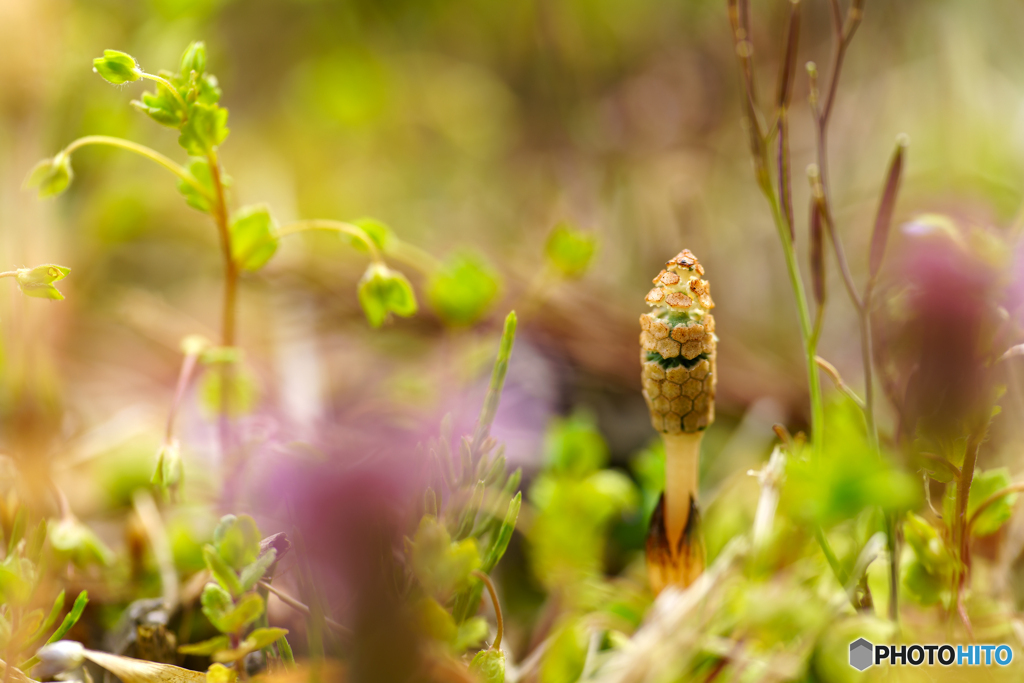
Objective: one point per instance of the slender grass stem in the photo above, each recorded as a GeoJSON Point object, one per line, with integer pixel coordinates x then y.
{"type": "Point", "coordinates": [142, 151]}
{"type": "Point", "coordinates": [335, 226]}
{"type": "Point", "coordinates": [806, 328]}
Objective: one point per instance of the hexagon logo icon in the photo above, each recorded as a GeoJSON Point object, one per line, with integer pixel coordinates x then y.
{"type": "Point", "coordinates": [861, 654]}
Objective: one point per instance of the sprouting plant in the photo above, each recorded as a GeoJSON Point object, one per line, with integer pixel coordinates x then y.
{"type": "Point", "coordinates": [23, 626]}
{"type": "Point", "coordinates": [232, 602]}
{"type": "Point", "coordinates": [466, 527]}
{"type": "Point", "coordinates": [188, 101]}
{"type": "Point", "coordinates": [774, 178]}
{"type": "Point", "coordinates": [679, 359]}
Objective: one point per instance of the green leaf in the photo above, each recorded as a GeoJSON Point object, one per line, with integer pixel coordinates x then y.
{"type": "Point", "coordinates": [77, 542]}
{"type": "Point", "coordinates": [378, 232]}
{"type": "Point", "coordinates": [265, 637]}
{"type": "Point", "coordinates": [383, 291]}
{"type": "Point", "coordinates": [38, 282]}
{"type": "Point", "coordinates": [51, 176]}
{"type": "Point", "coordinates": [208, 90]}
{"type": "Point", "coordinates": [253, 237]}
{"type": "Point", "coordinates": [221, 571]}
{"type": "Point", "coordinates": [169, 470]}
{"type": "Point", "coordinates": [194, 58]}
{"type": "Point", "coordinates": [255, 571]}
{"type": "Point", "coordinates": [200, 170]}
{"type": "Point", "coordinates": [566, 655]}
{"type": "Point", "coordinates": [72, 618]}
{"type": "Point", "coordinates": [163, 106]}
{"type": "Point", "coordinates": [463, 289]}
{"type": "Point", "coordinates": [216, 604]}
{"type": "Point", "coordinates": [845, 481]}
{"type": "Point", "coordinates": [205, 648]}
{"type": "Point", "coordinates": [489, 666]}
{"type": "Point", "coordinates": [994, 516]}
{"type": "Point", "coordinates": [205, 130]}
{"type": "Point", "coordinates": [238, 541]}
{"type": "Point", "coordinates": [501, 542]}
{"type": "Point", "coordinates": [218, 673]}
{"type": "Point", "coordinates": [570, 251]}
{"type": "Point", "coordinates": [470, 634]}
{"type": "Point", "coordinates": [248, 610]}
{"type": "Point", "coordinates": [117, 67]}
{"type": "Point", "coordinates": [441, 566]}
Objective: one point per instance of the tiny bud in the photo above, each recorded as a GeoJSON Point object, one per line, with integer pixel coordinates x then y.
{"type": "Point", "coordinates": [51, 176]}
{"type": "Point", "coordinates": [168, 471]}
{"type": "Point", "coordinates": [194, 58]}
{"type": "Point", "coordinates": [57, 658]}
{"type": "Point", "coordinates": [117, 67]}
{"type": "Point", "coordinates": [383, 291]}
{"type": "Point", "coordinates": [38, 282]}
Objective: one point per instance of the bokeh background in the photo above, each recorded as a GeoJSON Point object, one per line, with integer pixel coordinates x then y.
{"type": "Point", "coordinates": [468, 127]}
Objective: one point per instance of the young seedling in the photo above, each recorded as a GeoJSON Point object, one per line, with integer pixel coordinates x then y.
{"type": "Point", "coordinates": [678, 358]}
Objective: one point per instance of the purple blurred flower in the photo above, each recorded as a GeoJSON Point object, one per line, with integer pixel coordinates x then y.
{"type": "Point", "coordinates": [944, 316]}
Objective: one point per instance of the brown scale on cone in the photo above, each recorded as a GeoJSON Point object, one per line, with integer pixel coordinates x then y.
{"type": "Point", "coordinates": [678, 350]}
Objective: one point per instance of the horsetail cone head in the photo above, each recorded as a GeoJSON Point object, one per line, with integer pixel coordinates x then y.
{"type": "Point", "coordinates": [678, 348]}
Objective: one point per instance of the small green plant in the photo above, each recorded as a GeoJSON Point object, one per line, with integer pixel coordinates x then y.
{"type": "Point", "coordinates": [22, 585]}
{"type": "Point", "coordinates": [232, 602]}
{"type": "Point", "coordinates": [465, 531]}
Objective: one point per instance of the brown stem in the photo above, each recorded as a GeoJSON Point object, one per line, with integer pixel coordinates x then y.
{"type": "Point", "coordinates": [188, 367]}
{"type": "Point", "coordinates": [496, 645]}
{"type": "Point", "coordinates": [220, 216]}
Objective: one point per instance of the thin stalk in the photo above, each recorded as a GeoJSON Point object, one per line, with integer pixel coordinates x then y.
{"type": "Point", "coordinates": [142, 151]}
{"type": "Point", "coordinates": [228, 308]}
{"type": "Point", "coordinates": [170, 86]}
{"type": "Point", "coordinates": [220, 217]}
{"type": "Point", "coordinates": [806, 327]}
{"type": "Point", "coordinates": [188, 366]}
{"type": "Point", "coordinates": [496, 645]}
{"type": "Point", "coordinates": [301, 607]}
{"type": "Point", "coordinates": [961, 524]}
{"type": "Point", "coordinates": [682, 465]}
{"type": "Point", "coordinates": [334, 226]}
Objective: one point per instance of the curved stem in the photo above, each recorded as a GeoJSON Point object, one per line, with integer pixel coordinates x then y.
{"type": "Point", "coordinates": [9, 273]}
{"type": "Point", "coordinates": [496, 645]}
{"type": "Point", "coordinates": [334, 226]}
{"type": "Point", "coordinates": [170, 86]}
{"type": "Point", "coordinates": [141, 150]}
